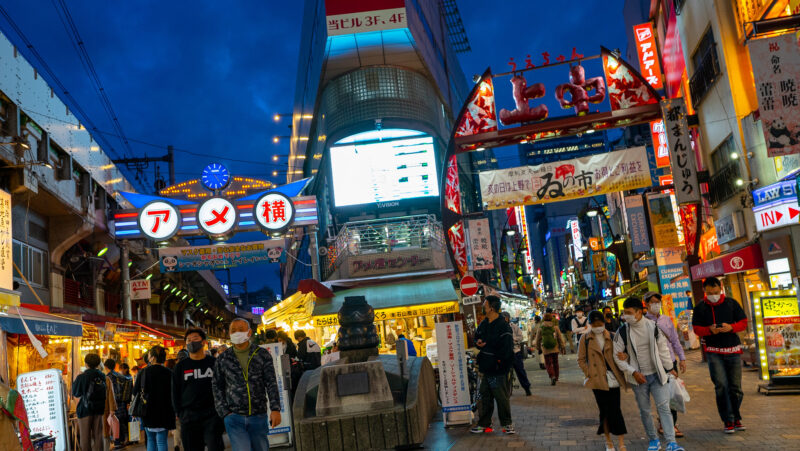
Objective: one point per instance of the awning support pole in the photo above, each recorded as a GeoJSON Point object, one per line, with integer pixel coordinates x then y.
{"type": "Point", "coordinates": [126, 278]}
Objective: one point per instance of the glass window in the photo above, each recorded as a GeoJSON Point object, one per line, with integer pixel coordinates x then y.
{"type": "Point", "coordinates": [32, 262]}
{"type": "Point", "coordinates": [705, 45]}
{"type": "Point", "coordinates": [723, 154]}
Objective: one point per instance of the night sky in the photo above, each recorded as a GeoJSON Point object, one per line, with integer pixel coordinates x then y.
{"type": "Point", "coordinates": [207, 77]}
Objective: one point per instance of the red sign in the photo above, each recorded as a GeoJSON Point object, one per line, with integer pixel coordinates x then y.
{"type": "Point", "coordinates": [648, 54]}
{"type": "Point", "coordinates": [742, 260]}
{"type": "Point", "coordinates": [665, 180]}
{"type": "Point", "coordinates": [660, 144]}
{"type": "Point", "coordinates": [469, 286]}
{"type": "Point", "coordinates": [358, 16]}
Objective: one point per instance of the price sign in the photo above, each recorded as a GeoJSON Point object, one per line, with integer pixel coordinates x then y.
{"type": "Point", "coordinates": [43, 395]}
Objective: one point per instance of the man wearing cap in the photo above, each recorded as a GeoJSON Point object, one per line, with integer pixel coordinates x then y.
{"type": "Point", "coordinates": [665, 325]}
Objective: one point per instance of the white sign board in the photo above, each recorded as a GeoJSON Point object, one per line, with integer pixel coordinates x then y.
{"type": "Point", "coordinates": [159, 220]}
{"type": "Point", "coordinates": [281, 435]}
{"type": "Point", "coordinates": [6, 258]}
{"type": "Point", "coordinates": [575, 228]}
{"type": "Point", "coordinates": [43, 395]}
{"type": "Point", "coordinates": [480, 243]}
{"type": "Point", "coordinates": [216, 216]}
{"type": "Point", "coordinates": [453, 379]}
{"type": "Point", "coordinates": [777, 216]}
{"type": "Point", "coordinates": [140, 289]}
{"type": "Point", "coordinates": [681, 154]}
{"type": "Point", "coordinates": [470, 300]}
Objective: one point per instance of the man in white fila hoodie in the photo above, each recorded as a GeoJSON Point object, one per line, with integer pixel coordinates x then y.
{"type": "Point", "coordinates": [642, 353]}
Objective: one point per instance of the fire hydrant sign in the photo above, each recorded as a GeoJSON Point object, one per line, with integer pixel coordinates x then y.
{"type": "Point", "coordinates": [140, 289]}
{"type": "Point", "coordinates": [452, 363]}
{"type": "Point", "coordinates": [43, 395]}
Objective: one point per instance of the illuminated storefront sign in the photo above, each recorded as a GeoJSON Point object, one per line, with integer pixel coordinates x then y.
{"type": "Point", "coordinates": [660, 143]}
{"type": "Point", "coordinates": [523, 224]}
{"type": "Point", "coordinates": [777, 318]}
{"type": "Point", "coordinates": [648, 54]}
{"type": "Point", "coordinates": [776, 205]}
{"type": "Point", "coordinates": [349, 17]}
{"type": "Point", "coordinates": [576, 238]}
{"type": "Point", "coordinates": [159, 220]}
{"type": "Point", "coordinates": [274, 212]}
{"type": "Point", "coordinates": [216, 216]}
{"type": "Point", "coordinates": [409, 311]}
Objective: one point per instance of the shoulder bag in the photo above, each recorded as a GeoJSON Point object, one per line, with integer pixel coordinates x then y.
{"type": "Point", "coordinates": [138, 406]}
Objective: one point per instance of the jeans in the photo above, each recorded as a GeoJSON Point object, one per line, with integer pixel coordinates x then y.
{"type": "Point", "coordinates": [494, 389]}
{"type": "Point", "coordinates": [248, 433]}
{"type": "Point", "coordinates": [519, 368]}
{"type": "Point", "coordinates": [661, 397]}
{"type": "Point", "coordinates": [726, 373]}
{"type": "Point", "coordinates": [156, 440]}
{"type": "Point", "coordinates": [197, 434]}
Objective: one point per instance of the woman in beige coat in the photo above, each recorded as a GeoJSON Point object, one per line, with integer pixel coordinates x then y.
{"type": "Point", "coordinates": [596, 359]}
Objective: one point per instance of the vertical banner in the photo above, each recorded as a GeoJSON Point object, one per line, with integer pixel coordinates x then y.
{"type": "Point", "coordinates": [6, 257]}
{"type": "Point", "coordinates": [453, 380]}
{"type": "Point", "coordinates": [648, 55]}
{"type": "Point", "coordinates": [637, 224]}
{"type": "Point", "coordinates": [660, 147]}
{"type": "Point", "coordinates": [662, 221]}
{"type": "Point", "coordinates": [575, 228]}
{"type": "Point", "coordinates": [776, 68]}
{"type": "Point", "coordinates": [480, 244]}
{"type": "Point", "coordinates": [674, 279]}
{"type": "Point", "coordinates": [681, 154]}
{"type": "Point", "coordinates": [281, 435]}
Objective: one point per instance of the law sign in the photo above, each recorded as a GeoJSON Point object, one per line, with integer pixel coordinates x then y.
{"type": "Point", "coordinates": [43, 395]}
{"type": "Point", "coordinates": [469, 286]}
{"type": "Point", "coordinates": [140, 289]}
{"type": "Point", "coordinates": [776, 206]}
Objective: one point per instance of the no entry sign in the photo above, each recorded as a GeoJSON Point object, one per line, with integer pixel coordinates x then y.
{"type": "Point", "coordinates": [469, 286]}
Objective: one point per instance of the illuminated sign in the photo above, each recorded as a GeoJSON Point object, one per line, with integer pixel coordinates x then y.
{"type": "Point", "coordinates": [6, 257]}
{"type": "Point", "coordinates": [216, 216]}
{"type": "Point", "coordinates": [408, 311]}
{"type": "Point", "coordinates": [273, 212]}
{"type": "Point", "coordinates": [660, 143]}
{"type": "Point", "coordinates": [576, 239]}
{"type": "Point", "coordinates": [257, 310]}
{"type": "Point", "coordinates": [648, 54]}
{"type": "Point", "coordinates": [349, 17]}
{"type": "Point", "coordinates": [159, 220]}
{"type": "Point", "coordinates": [777, 321]}
{"type": "Point", "coordinates": [523, 223]}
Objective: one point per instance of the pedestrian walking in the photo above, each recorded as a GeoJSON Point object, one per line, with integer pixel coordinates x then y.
{"type": "Point", "coordinates": [519, 367]}
{"type": "Point", "coordinates": [246, 390]}
{"type": "Point", "coordinates": [155, 383]}
{"type": "Point", "coordinates": [611, 323]}
{"type": "Point", "coordinates": [580, 325]}
{"type": "Point", "coordinates": [550, 342]}
{"type": "Point", "coordinates": [641, 352]}
{"type": "Point", "coordinates": [565, 324]}
{"type": "Point", "coordinates": [495, 358]}
{"type": "Point", "coordinates": [122, 389]}
{"type": "Point", "coordinates": [193, 396]}
{"type": "Point", "coordinates": [308, 351]}
{"type": "Point", "coordinates": [605, 378]}
{"type": "Point", "coordinates": [652, 300]}
{"type": "Point", "coordinates": [717, 319]}
{"type": "Point", "coordinates": [90, 388]}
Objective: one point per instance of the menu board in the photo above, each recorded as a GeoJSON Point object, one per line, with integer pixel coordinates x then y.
{"type": "Point", "coordinates": [781, 316]}
{"type": "Point", "coordinates": [43, 395]}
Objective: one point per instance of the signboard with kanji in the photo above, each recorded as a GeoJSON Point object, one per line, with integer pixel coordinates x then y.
{"type": "Point", "coordinates": [43, 395]}
{"type": "Point", "coordinates": [274, 212]}
{"type": "Point", "coordinates": [681, 155]}
{"type": "Point", "coordinates": [220, 256]}
{"type": "Point", "coordinates": [637, 224]}
{"type": "Point", "coordinates": [480, 242]}
{"type": "Point", "coordinates": [453, 371]}
{"type": "Point", "coordinates": [660, 147]}
{"type": "Point", "coordinates": [6, 258]}
{"type": "Point", "coordinates": [776, 68]}
{"type": "Point", "coordinates": [647, 49]}
{"type": "Point", "coordinates": [410, 311]}
{"type": "Point", "coordinates": [159, 220]}
{"type": "Point", "coordinates": [140, 289]}
{"type": "Point", "coordinates": [349, 17]}
{"type": "Point", "coordinates": [777, 318]}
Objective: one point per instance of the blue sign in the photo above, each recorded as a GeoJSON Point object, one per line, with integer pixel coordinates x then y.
{"type": "Point", "coordinates": [220, 256]}
{"type": "Point", "coordinates": [216, 176]}
{"type": "Point", "coordinates": [777, 193]}
{"type": "Point", "coordinates": [13, 324]}
{"type": "Point", "coordinates": [678, 288]}
{"type": "Point", "coordinates": [637, 224]}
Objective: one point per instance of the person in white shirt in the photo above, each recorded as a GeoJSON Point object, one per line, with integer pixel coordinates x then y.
{"type": "Point", "coordinates": [519, 367]}
{"type": "Point", "coordinates": [580, 326]}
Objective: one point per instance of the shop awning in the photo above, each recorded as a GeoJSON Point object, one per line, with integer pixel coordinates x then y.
{"type": "Point", "coordinates": [739, 260]}
{"type": "Point", "coordinates": [39, 323]}
{"type": "Point", "coordinates": [393, 295]}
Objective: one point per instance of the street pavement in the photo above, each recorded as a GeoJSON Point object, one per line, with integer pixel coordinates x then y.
{"type": "Point", "coordinates": [564, 417]}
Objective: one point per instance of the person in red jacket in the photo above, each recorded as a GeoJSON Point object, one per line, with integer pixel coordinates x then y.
{"type": "Point", "coordinates": [717, 320]}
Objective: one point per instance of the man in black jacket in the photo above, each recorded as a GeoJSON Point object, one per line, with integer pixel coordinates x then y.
{"type": "Point", "coordinates": [496, 344]}
{"type": "Point", "coordinates": [308, 351]}
{"type": "Point", "coordinates": [565, 324]}
{"type": "Point", "coordinates": [716, 320]}
{"type": "Point", "coordinates": [90, 387]}
{"type": "Point", "coordinates": [193, 397]}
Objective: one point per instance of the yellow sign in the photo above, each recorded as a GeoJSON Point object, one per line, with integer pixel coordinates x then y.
{"type": "Point", "coordinates": [594, 243]}
{"type": "Point", "coordinates": [779, 307]}
{"type": "Point", "coordinates": [6, 257]}
{"type": "Point", "coordinates": [411, 311]}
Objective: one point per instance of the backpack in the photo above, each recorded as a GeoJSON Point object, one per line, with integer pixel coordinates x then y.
{"type": "Point", "coordinates": [549, 337]}
{"type": "Point", "coordinates": [95, 397]}
{"type": "Point", "coordinates": [123, 388]}
{"type": "Point", "coordinates": [623, 333]}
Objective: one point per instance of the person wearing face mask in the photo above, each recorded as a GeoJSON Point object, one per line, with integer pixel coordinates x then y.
{"type": "Point", "coordinates": [642, 353]}
{"type": "Point", "coordinates": [604, 377]}
{"type": "Point", "coordinates": [155, 381]}
{"type": "Point", "coordinates": [580, 325]}
{"type": "Point", "coordinates": [653, 301]}
{"type": "Point", "coordinates": [193, 397]}
{"type": "Point", "coordinates": [611, 323]}
{"type": "Point", "coordinates": [246, 390]}
{"type": "Point", "coordinates": [717, 320]}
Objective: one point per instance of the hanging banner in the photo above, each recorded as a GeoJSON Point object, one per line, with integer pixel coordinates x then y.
{"type": "Point", "coordinates": [660, 147]}
{"type": "Point", "coordinates": [452, 364]}
{"type": "Point", "coordinates": [648, 54]}
{"type": "Point", "coordinates": [220, 256]}
{"type": "Point", "coordinates": [43, 395]}
{"type": "Point", "coordinates": [688, 222]}
{"type": "Point", "coordinates": [776, 69]}
{"type": "Point", "coordinates": [459, 244]}
{"type": "Point", "coordinates": [637, 224]}
{"type": "Point", "coordinates": [281, 435]}
{"type": "Point", "coordinates": [662, 221]}
{"type": "Point", "coordinates": [480, 244]}
{"type": "Point", "coordinates": [566, 179]}
{"type": "Point", "coordinates": [6, 257]}
{"type": "Point", "coordinates": [577, 247]}
{"type": "Point", "coordinates": [681, 154]}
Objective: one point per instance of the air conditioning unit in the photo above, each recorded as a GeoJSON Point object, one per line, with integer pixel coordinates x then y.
{"type": "Point", "coordinates": [43, 149]}
{"type": "Point", "coordinates": [85, 186]}
{"type": "Point", "coordinates": [64, 171]}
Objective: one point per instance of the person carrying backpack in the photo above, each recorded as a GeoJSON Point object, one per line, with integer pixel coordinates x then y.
{"type": "Point", "coordinates": [122, 390]}
{"type": "Point", "coordinates": [580, 325]}
{"type": "Point", "coordinates": [550, 342]}
{"type": "Point", "coordinates": [94, 405]}
{"type": "Point", "coordinates": [565, 324]}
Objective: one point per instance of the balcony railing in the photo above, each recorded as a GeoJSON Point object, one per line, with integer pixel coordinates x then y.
{"type": "Point", "coordinates": [704, 75]}
{"type": "Point", "coordinates": [722, 185]}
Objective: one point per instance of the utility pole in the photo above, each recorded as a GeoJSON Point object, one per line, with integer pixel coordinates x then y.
{"type": "Point", "coordinates": [126, 277]}
{"type": "Point", "coordinates": [140, 163]}
{"type": "Point", "coordinates": [171, 162]}
{"type": "Point", "coordinates": [314, 256]}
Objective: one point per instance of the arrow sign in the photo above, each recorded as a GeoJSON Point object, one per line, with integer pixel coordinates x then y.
{"type": "Point", "coordinates": [140, 289]}
{"type": "Point", "coordinates": [793, 212]}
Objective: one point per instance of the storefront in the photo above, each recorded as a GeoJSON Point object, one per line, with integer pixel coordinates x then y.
{"type": "Point", "coordinates": [409, 308]}
{"type": "Point", "coordinates": [294, 312]}
{"type": "Point", "coordinates": [777, 321]}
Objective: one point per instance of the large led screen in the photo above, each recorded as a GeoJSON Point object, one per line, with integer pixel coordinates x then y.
{"type": "Point", "coordinates": [381, 166]}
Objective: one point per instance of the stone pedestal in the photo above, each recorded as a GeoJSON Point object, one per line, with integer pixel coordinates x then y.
{"type": "Point", "coordinates": [353, 388]}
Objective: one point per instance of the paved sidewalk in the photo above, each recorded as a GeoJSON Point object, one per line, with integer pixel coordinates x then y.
{"type": "Point", "coordinates": [565, 417]}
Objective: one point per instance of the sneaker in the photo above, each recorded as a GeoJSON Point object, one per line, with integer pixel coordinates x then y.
{"type": "Point", "coordinates": [739, 426]}
{"type": "Point", "coordinates": [509, 430]}
{"type": "Point", "coordinates": [729, 427]}
{"type": "Point", "coordinates": [654, 445]}
{"type": "Point", "coordinates": [610, 447]}
{"type": "Point", "coordinates": [481, 430]}
{"type": "Point", "coordinates": [674, 447]}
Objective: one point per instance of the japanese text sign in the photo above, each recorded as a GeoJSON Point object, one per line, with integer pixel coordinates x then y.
{"type": "Point", "coordinates": [637, 224]}
{"type": "Point", "coordinates": [285, 426]}
{"type": "Point", "coordinates": [648, 54]}
{"type": "Point", "coordinates": [43, 395]}
{"type": "Point", "coordinates": [776, 205]}
{"type": "Point", "coordinates": [660, 146]}
{"type": "Point", "coordinates": [274, 211]}
{"type": "Point", "coordinates": [159, 220]}
{"type": "Point", "coordinates": [662, 221]}
{"type": "Point", "coordinates": [452, 363]}
{"type": "Point", "coordinates": [410, 311]}
{"type": "Point", "coordinates": [780, 307]}
{"type": "Point", "coordinates": [776, 68]}
{"type": "Point", "coordinates": [220, 256]}
{"type": "Point", "coordinates": [480, 244]}
{"type": "Point", "coordinates": [349, 17]}
{"type": "Point", "coordinates": [681, 154]}
{"type": "Point", "coordinates": [6, 258]}
{"type": "Point", "coordinates": [577, 245]}
{"type": "Point", "coordinates": [566, 179]}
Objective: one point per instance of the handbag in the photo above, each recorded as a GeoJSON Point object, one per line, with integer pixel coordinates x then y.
{"type": "Point", "coordinates": [138, 406]}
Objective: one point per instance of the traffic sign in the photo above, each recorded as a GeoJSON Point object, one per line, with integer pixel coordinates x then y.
{"type": "Point", "coordinates": [469, 286]}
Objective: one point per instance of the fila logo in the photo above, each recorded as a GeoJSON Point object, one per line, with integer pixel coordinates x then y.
{"type": "Point", "coordinates": [197, 374]}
